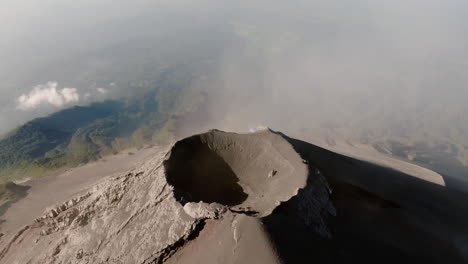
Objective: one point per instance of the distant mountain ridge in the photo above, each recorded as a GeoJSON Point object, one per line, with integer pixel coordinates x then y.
{"type": "Point", "coordinates": [78, 135]}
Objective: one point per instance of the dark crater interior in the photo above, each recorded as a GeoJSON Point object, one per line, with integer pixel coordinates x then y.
{"type": "Point", "coordinates": [199, 174]}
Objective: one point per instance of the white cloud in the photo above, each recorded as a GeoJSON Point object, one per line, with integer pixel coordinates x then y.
{"type": "Point", "coordinates": [102, 90]}
{"type": "Point", "coordinates": [70, 95]}
{"type": "Point", "coordinates": [47, 94]}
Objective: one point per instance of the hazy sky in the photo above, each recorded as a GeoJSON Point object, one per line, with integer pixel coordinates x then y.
{"type": "Point", "coordinates": [391, 68]}
{"type": "Point", "coordinates": [359, 63]}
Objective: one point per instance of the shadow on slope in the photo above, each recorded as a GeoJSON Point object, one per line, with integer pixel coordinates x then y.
{"type": "Point", "coordinates": [12, 193]}
{"type": "Point", "coordinates": [383, 216]}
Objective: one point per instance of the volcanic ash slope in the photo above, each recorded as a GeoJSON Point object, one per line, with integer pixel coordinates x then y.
{"type": "Point", "coordinates": [255, 198]}
{"type": "Point", "coordinates": [148, 214]}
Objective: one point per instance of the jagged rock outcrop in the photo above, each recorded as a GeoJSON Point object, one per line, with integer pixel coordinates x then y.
{"type": "Point", "coordinates": [132, 218]}
{"type": "Point", "coordinates": [203, 210]}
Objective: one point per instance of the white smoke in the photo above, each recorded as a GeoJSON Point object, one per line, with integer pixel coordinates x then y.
{"type": "Point", "coordinates": [48, 94]}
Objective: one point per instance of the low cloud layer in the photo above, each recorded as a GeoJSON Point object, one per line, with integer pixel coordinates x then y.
{"type": "Point", "coordinates": [48, 94]}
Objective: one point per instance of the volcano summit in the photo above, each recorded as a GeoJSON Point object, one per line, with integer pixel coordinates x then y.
{"type": "Point", "coordinates": [261, 197]}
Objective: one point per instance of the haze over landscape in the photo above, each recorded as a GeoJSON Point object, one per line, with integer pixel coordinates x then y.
{"type": "Point", "coordinates": [383, 82]}
{"type": "Point", "coordinates": [337, 61]}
